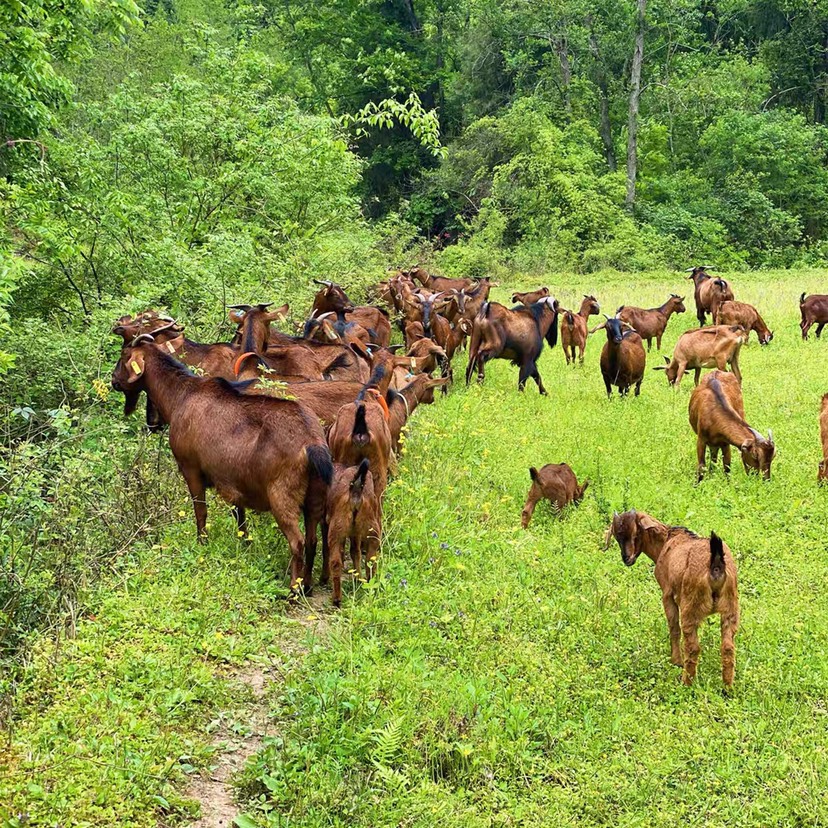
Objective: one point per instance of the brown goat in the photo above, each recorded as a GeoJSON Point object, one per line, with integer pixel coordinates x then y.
{"type": "Point", "coordinates": [823, 433]}
{"type": "Point", "coordinates": [258, 453]}
{"type": "Point", "coordinates": [333, 299]}
{"type": "Point", "coordinates": [361, 431]}
{"type": "Point", "coordinates": [709, 292]}
{"type": "Point", "coordinates": [814, 311]}
{"type": "Point", "coordinates": [574, 328]}
{"type": "Point", "coordinates": [697, 577]}
{"type": "Point", "coordinates": [475, 296]}
{"type": "Point", "coordinates": [555, 482]}
{"type": "Point", "coordinates": [516, 334]}
{"type": "Point", "coordinates": [622, 359]}
{"type": "Point", "coordinates": [530, 297]}
{"type": "Point", "coordinates": [740, 313]}
{"type": "Point", "coordinates": [651, 323]}
{"type": "Point", "coordinates": [354, 514]}
{"type": "Point", "coordinates": [713, 347]}
{"type": "Point", "coordinates": [261, 348]}
{"type": "Point", "coordinates": [717, 415]}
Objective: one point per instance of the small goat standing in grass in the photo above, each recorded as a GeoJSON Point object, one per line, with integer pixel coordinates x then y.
{"type": "Point", "coordinates": [354, 512]}
{"type": "Point", "coordinates": [697, 577]}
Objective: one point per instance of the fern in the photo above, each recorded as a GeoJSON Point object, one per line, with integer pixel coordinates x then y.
{"type": "Point", "coordinates": [387, 744]}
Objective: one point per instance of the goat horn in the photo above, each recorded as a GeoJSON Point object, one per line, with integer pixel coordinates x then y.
{"type": "Point", "coordinates": [322, 282]}
{"type": "Point", "coordinates": [264, 305]}
{"type": "Point", "coordinates": [241, 307]}
{"type": "Point", "coordinates": [144, 337]}
{"type": "Point", "coordinates": [770, 436]}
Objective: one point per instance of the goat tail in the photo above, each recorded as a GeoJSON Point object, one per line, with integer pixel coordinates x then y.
{"type": "Point", "coordinates": [570, 318]}
{"type": "Point", "coordinates": [358, 483]}
{"type": "Point", "coordinates": [552, 333]}
{"type": "Point", "coordinates": [320, 464]}
{"type": "Point", "coordinates": [721, 283]}
{"type": "Point", "coordinates": [359, 433]}
{"type": "Point", "coordinates": [717, 561]}
{"type": "Point", "coordinates": [802, 299]}
{"type": "Point", "coordinates": [484, 309]}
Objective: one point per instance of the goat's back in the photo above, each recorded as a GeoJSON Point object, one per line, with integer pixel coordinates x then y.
{"type": "Point", "coordinates": [717, 392]}
{"type": "Point", "coordinates": [243, 445]}
{"type": "Point", "coordinates": [683, 570]}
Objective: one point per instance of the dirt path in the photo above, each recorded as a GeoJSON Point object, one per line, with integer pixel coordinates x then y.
{"type": "Point", "coordinates": [242, 731]}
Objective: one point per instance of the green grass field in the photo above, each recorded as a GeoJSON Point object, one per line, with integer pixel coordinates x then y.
{"type": "Point", "coordinates": [490, 676]}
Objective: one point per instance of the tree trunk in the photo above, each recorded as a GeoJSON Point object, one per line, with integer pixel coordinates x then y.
{"type": "Point", "coordinates": [604, 124]}
{"type": "Point", "coordinates": [560, 47]}
{"type": "Point", "coordinates": [635, 95]}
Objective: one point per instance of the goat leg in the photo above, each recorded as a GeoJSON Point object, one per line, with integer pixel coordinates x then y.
{"type": "Point", "coordinates": [671, 610]}
{"type": "Point", "coordinates": [241, 520]}
{"type": "Point", "coordinates": [691, 651]}
{"type": "Point", "coordinates": [335, 565]}
{"type": "Point", "coordinates": [729, 625]}
{"type": "Point", "coordinates": [726, 454]}
{"type": "Point", "coordinates": [701, 447]}
{"type": "Point", "coordinates": [195, 483]}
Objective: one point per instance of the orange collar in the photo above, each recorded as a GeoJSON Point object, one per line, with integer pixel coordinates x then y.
{"type": "Point", "coordinates": [383, 404]}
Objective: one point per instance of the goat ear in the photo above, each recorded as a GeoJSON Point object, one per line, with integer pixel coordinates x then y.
{"type": "Point", "coordinates": [136, 366]}
{"type": "Point", "coordinates": [646, 522]}
{"type": "Point", "coordinates": [660, 368]}
{"type": "Point", "coordinates": [279, 314]}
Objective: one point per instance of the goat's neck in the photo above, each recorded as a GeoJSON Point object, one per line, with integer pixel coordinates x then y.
{"type": "Point", "coordinates": [167, 384]}
{"type": "Point", "coordinates": [653, 540]}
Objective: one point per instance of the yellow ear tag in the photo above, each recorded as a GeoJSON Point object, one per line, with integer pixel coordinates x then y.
{"type": "Point", "coordinates": [170, 348]}
{"type": "Point", "coordinates": [135, 367]}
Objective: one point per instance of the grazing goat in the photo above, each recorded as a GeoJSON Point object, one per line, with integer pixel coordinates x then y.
{"type": "Point", "coordinates": [557, 483]}
{"type": "Point", "coordinates": [622, 359]}
{"type": "Point", "coordinates": [823, 433]}
{"type": "Point", "coordinates": [709, 292]}
{"type": "Point", "coordinates": [651, 323]}
{"type": "Point", "coordinates": [740, 313]}
{"type": "Point", "coordinates": [697, 577]}
{"type": "Point", "coordinates": [361, 430]}
{"type": "Point", "coordinates": [354, 514]}
{"type": "Point", "coordinates": [530, 297]}
{"type": "Point", "coordinates": [258, 453]}
{"type": "Point", "coordinates": [717, 415]}
{"type": "Point", "coordinates": [714, 347]}
{"type": "Point", "coordinates": [574, 328]}
{"type": "Point", "coordinates": [814, 311]}
{"type": "Point", "coordinates": [516, 334]}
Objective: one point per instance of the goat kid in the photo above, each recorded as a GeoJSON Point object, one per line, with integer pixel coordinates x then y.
{"type": "Point", "coordinates": [698, 578]}
{"type": "Point", "coordinates": [555, 482]}
{"type": "Point", "coordinates": [574, 328]}
{"type": "Point", "coordinates": [354, 513]}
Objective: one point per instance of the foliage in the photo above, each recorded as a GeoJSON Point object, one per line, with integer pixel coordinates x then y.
{"type": "Point", "coordinates": [35, 35]}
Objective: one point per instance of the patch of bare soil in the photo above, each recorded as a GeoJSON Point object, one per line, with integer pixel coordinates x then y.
{"type": "Point", "coordinates": [235, 745]}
